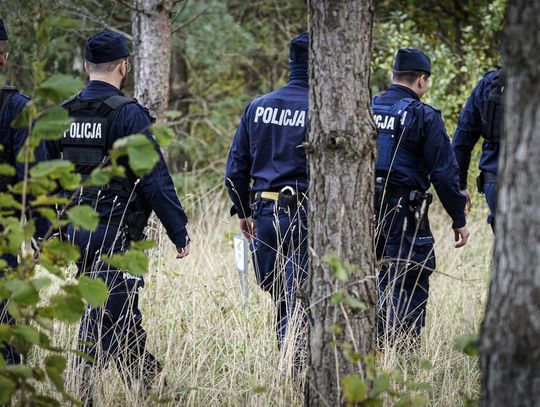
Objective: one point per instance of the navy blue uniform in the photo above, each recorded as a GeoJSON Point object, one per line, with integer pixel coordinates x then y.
{"type": "Point", "coordinates": [416, 154]}
{"type": "Point", "coordinates": [467, 134]}
{"type": "Point", "coordinates": [266, 154]}
{"type": "Point", "coordinates": [12, 140]}
{"type": "Point", "coordinates": [115, 330]}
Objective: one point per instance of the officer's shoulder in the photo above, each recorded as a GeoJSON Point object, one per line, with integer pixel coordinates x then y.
{"type": "Point", "coordinates": [430, 113]}
{"type": "Point", "coordinates": [428, 109]}
{"type": "Point", "coordinates": [131, 106]}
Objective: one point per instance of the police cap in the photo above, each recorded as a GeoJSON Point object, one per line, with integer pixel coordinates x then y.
{"type": "Point", "coordinates": [412, 59]}
{"type": "Point", "coordinates": [3, 32]}
{"type": "Point", "coordinates": [299, 48]}
{"type": "Point", "coordinates": [106, 47]}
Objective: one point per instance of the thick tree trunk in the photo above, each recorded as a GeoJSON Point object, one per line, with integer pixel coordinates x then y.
{"type": "Point", "coordinates": [510, 344]}
{"type": "Point", "coordinates": [151, 29]}
{"type": "Point", "coordinates": [342, 142]}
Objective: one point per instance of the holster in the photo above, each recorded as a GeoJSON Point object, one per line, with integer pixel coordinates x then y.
{"type": "Point", "coordinates": [288, 199]}
{"type": "Point", "coordinates": [480, 181]}
{"type": "Point", "coordinates": [419, 204]}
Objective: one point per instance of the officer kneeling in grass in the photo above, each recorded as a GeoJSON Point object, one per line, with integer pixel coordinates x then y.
{"type": "Point", "coordinates": [267, 149]}
{"type": "Point", "coordinates": [102, 115]}
{"type": "Point", "coordinates": [414, 151]}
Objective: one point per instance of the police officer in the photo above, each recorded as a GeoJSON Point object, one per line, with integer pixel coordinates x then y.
{"type": "Point", "coordinates": [12, 102]}
{"type": "Point", "coordinates": [414, 151]}
{"type": "Point", "coordinates": [102, 115]}
{"type": "Point", "coordinates": [267, 179]}
{"type": "Point", "coordinates": [481, 116]}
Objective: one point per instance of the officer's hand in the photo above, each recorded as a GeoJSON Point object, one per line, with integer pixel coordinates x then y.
{"type": "Point", "coordinates": [468, 205]}
{"type": "Point", "coordinates": [182, 252]}
{"type": "Point", "coordinates": [461, 236]}
{"type": "Point", "coordinates": [247, 227]}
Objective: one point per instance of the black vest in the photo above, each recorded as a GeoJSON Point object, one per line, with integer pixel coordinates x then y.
{"type": "Point", "coordinates": [86, 142]}
{"type": "Point", "coordinates": [493, 109]}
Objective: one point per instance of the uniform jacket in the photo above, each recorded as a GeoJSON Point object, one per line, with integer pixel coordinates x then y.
{"type": "Point", "coordinates": [157, 186]}
{"type": "Point", "coordinates": [469, 130]}
{"type": "Point", "coordinates": [426, 142]}
{"type": "Point", "coordinates": [267, 147]}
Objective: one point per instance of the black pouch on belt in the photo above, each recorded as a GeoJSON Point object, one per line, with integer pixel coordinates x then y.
{"type": "Point", "coordinates": [480, 183]}
{"type": "Point", "coordinates": [288, 199]}
{"type": "Point", "coordinates": [419, 203]}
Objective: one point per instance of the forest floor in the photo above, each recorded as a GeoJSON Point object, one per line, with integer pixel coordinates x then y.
{"type": "Point", "coordinates": [218, 351]}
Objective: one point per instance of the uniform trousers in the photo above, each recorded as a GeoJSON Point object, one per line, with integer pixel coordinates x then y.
{"type": "Point", "coordinates": [280, 259]}
{"type": "Point", "coordinates": [113, 331]}
{"type": "Point", "coordinates": [406, 260]}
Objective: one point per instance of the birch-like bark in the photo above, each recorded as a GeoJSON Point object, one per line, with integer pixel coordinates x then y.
{"type": "Point", "coordinates": [151, 30]}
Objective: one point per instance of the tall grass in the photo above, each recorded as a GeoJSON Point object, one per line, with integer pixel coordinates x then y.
{"type": "Point", "coordinates": [218, 351]}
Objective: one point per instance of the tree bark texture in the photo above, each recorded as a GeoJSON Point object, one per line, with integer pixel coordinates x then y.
{"type": "Point", "coordinates": [151, 29]}
{"type": "Point", "coordinates": [342, 147]}
{"type": "Point", "coordinates": [510, 343]}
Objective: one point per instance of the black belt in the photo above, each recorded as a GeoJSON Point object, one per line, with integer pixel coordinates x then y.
{"type": "Point", "coordinates": [489, 177]}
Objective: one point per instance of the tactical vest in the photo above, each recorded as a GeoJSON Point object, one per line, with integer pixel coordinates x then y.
{"type": "Point", "coordinates": [86, 142]}
{"type": "Point", "coordinates": [7, 154]}
{"type": "Point", "coordinates": [493, 109]}
{"type": "Point", "coordinates": [390, 121]}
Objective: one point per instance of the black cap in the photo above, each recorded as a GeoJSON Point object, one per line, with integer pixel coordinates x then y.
{"type": "Point", "coordinates": [299, 48]}
{"type": "Point", "coordinates": [3, 32]}
{"type": "Point", "coordinates": [412, 59]}
{"type": "Point", "coordinates": [106, 47]}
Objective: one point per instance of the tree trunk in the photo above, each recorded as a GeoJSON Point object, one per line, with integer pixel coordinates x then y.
{"type": "Point", "coordinates": [151, 29]}
{"type": "Point", "coordinates": [342, 142]}
{"type": "Point", "coordinates": [510, 343]}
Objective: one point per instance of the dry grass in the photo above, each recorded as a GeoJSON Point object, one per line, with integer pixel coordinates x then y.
{"type": "Point", "coordinates": [218, 352]}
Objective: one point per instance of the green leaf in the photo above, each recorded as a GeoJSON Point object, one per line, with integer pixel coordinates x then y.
{"type": "Point", "coordinates": [7, 389]}
{"type": "Point", "coordinates": [7, 170]}
{"type": "Point", "coordinates": [52, 124]}
{"type": "Point", "coordinates": [9, 201]}
{"type": "Point", "coordinates": [55, 366]}
{"type": "Point", "coordinates": [355, 303]}
{"type": "Point", "coordinates": [354, 389]}
{"type": "Point", "coordinates": [27, 333]}
{"type": "Point", "coordinates": [99, 177]}
{"type": "Point", "coordinates": [25, 294]}
{"type": "Point", "coordinates": [380, 385]}
{"type": "Point", "coordinates": [51, 168]}
{"type": "Point", "coordinates": [141, 152]}
{"type": "Point", "coordinates": [133, 261]}
{"type": "Point", "coordinates": [67, 308]}
{"type": "Point", "coordinates": [467, 343]}
{"type": "Point", "coordinates": [338, 269]}
{"type": "Point", "coordinates": [25, 117]}
{"type": "Point", "coordinates": [83, 217]}
{"type": "Point", "coordinates": [59, 87]}
{"type": "Point", "coordinates": [163, 134]}
{"type": "Point", "coordinates": [20, 370]}
{"type": "Point", "coordinates": [94, 291]}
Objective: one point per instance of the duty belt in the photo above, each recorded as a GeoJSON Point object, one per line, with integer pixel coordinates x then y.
{"type": "Point", "coordinates": [489, 177]}
{"type": "Point", "coordinates": [287, 197]}
{"type": "Point", "coordinates": [272, 196]}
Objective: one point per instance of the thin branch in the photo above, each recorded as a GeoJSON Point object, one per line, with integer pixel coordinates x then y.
{"type": "Point", "coordinates": [188, 22]}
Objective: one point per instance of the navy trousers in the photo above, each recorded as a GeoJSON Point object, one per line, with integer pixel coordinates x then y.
{"type": "Point", "coordinates": [11, 356]}
{"type": "Point", "coordinates": [280, 258]}
{"type": "Point", "coordinates": [490, 192]}
{"type": "Point", "coordinates": [406, 260]}
{"type": "Point", "coordinates": [115, 330]}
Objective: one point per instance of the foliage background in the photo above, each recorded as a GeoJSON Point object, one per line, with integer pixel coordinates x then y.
{"type": "Point", "coordinates": [226, 52]}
